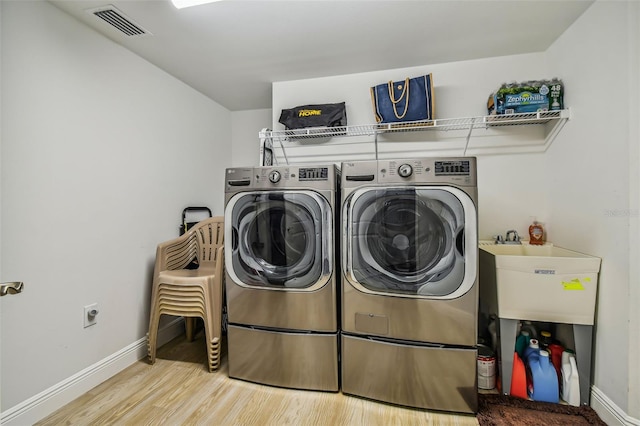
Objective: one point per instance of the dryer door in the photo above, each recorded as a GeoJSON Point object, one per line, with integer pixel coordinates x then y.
{"type": "Point", "coordinates": [411, 241]}
{"type": "Point", "coordinates": [279, 239]}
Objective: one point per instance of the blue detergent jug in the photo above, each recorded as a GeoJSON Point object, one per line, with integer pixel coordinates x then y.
{"type": "Point", "coordinates": [544, 378]}
{"type": "Point", "coordinates": [532, 350]}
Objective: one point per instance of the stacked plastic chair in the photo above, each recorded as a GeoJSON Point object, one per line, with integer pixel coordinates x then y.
{"type": "Point", "coordinates": [190, 293]}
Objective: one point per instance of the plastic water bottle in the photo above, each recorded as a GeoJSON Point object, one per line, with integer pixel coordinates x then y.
{"type": "Point", "coordinates": [544, 378]}
{"type": "Point", "coordinates": [570, 379]}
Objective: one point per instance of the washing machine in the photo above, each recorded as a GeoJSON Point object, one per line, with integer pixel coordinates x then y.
{"type": "Point", "coordinates": [409, 286]}
{"type": "Point", "coordinates": [282, 275]}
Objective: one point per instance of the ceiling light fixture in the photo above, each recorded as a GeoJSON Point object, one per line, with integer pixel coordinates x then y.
{"type": "Point", "coordinates": [179, 4]}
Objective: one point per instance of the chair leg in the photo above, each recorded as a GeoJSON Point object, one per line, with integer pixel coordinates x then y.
{"type": "Point", "coordinates": [213, 344]}
{"type": "Point", "coordinates": [152, 338]}
{"type": "Point", "coordinates": [215, 323]}
{"type": "Point", "coordinates": [190, 327]}
{"type": "Point", "coordinates": [214, 358]}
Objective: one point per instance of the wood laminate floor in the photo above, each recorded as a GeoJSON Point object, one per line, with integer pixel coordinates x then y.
{"type": "Point", "coordinates": [178, 390]}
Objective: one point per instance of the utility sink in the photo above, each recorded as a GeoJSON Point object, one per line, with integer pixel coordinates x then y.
{"type": "Point", "coordinates": [538, 283]}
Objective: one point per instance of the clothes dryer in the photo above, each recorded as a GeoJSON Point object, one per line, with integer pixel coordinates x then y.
{"type": "Point", "coordinates": [281, 275]}
{"type": "Point", "coordinates": [409, 286]}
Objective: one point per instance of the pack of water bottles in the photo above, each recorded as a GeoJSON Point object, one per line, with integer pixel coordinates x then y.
{"type": "Point", "coordinates": [527, 97]}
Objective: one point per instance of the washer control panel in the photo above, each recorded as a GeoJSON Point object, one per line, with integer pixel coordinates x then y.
{"type": "Point", "coordinates": [274, 176]}
{"type": "Point", "coordinates": [405, 170]}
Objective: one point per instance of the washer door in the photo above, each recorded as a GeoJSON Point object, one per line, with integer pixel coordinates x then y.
{"type": "Point", "coordinates": [279, 239]}
{"type": "Point", "coordinates": [410, 241]}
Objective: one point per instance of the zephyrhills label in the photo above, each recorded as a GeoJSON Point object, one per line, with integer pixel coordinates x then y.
{"type": "Point", "coordinates": [525, 98]}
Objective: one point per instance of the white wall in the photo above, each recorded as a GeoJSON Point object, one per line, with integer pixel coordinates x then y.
{"type": "Point", "coordinates": [1, 277]}
{"type": "Point", "coordinates": [633, 20]}
{"type": "Point", "coordinates": [593, 185]}
{"type": "Point", "coordinates": [246, 125]}
{"type": "Point", "coordinates": [510, 193]}
{"type": "Point", "coordinates": [101, 151]}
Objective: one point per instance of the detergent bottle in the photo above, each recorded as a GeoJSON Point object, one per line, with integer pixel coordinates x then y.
{"type": "Point", "coordinates": [570, 379]}
{"type": "Point", "coordinates": [556, 350]}
{"type": "Point", "coordinates": [545, 339]}
{"type": "Point", "coordinates": [522, 342]}
{"type": "Point", "coordinates": [528, 326]}
{"type": "Point", "coordinates": [544, 379]}
{"type": "Point", "coordinates": [532, 350]}
{"type": "Point", "coordinates": [518, 378]}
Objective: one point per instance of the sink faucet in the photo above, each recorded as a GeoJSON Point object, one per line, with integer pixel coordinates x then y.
{"type": "Point", "coordinates": [515, 239]}
{"type": "Point", "coordinates": [511, 237]}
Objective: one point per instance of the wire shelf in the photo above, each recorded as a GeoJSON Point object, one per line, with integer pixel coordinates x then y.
{"type": "Point", "coordinates": [446, 124]}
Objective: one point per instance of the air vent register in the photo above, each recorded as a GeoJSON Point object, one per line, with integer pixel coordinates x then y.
{"type": "Point", "coordinates": [119, 21]}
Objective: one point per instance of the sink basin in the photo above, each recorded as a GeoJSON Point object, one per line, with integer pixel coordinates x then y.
{"type": "Point", "coordinates": [538, 283]}
{"type": "Point", "coordinates": [525, 256]}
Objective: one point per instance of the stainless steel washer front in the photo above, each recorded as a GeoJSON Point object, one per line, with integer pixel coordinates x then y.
{"type": "Point", "coordinates": [408, 240]}
{"type": "Point", "coordinates": [281, 275]}
{"type": "Point", "coordinates": [280, 239]}
{"type": "Point", "coordinates": [409, 290]}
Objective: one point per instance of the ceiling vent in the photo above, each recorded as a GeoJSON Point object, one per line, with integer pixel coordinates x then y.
{"type": "Point", "coordinates": [119, 21]}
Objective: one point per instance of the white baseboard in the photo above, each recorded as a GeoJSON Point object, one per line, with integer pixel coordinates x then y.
{"type": "Point", "coordinates": [609, 412]}
{"type": "Point", "coordinates": [41, 405]}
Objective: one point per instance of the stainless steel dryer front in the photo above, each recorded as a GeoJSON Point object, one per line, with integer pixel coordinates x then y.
{"type": "Point", "coordinates": [281, 275]}
{"type": "Point", "coordinates": [409, 286]}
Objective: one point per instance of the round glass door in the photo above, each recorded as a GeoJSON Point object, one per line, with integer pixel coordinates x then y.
{"type": "Point", "coordinates": [407, 240]}
{"type": "Point", "coordinates": [280, 239]}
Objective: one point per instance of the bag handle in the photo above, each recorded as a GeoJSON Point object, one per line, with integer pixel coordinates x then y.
{"type": "Point", "coordinates": [405, 91]}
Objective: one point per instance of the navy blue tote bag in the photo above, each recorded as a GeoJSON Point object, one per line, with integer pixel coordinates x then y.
{"type": "Point", "coordinates": [408, 100]}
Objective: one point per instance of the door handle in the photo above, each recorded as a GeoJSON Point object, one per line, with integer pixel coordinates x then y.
{"type": "Point", "coordinates": [11, 288]}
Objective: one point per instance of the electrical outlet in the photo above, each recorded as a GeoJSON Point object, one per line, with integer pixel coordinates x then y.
{"type": "Point", "coordinates": [90, 315]}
